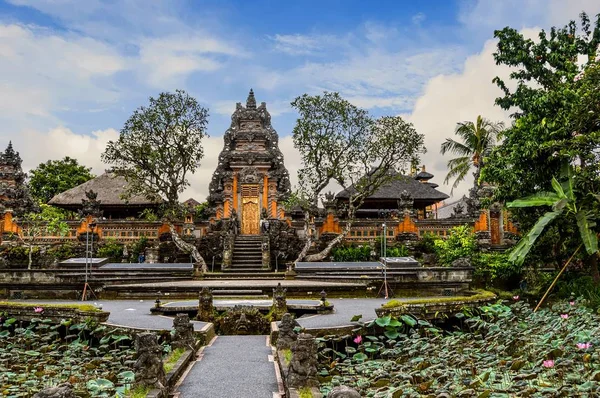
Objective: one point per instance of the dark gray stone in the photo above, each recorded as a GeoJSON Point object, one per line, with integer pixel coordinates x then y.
{"type": "Point", "coordinates": [148, 367]}
{"type": "Point", "coordinates": [462, 262]}
{"type": "Point", "coordinates": [343, 392]}
{"type": "Point", "coordinates": [303, 366]}
{"type": "Point", "coordinates": [287, 336]}
{"type": "Point", "coordinates": [64, 390]}
{"type": "Point", "coordinates": [184, 332]}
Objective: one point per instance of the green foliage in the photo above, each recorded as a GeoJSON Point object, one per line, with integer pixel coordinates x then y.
{"type": "Point", "coordinates": [392, 250]}
{"type": "Point", "coordinates": [426, 244]}
{"type": "Point", "coordinates": [201, 212]}
{"type": "Point", "coordinates": [159, 145]}
{"type": "Point", "coordinates": [351, 253]}
{"type": "Point", "coordinates": [95, 359]}
{"type": "Point", "coordinates": [491, 350]}
{"type": "Point", "coordinates": [477, 141]}
{"type": "Point", "coordinates": [148, 215]}
{"type": "Point", "coordinates": [57, 176]}
{"type": "Point", "coordinates": [110, 248]}
{"type": "Point", "coordinates": [460, 243]}
{"type": "Point", "coordinates": [580, 288]}
{"type": "Point", "coordinates": [139, 247]}
{"type": "Point", "coordinates": [172, 358]}
{"type": "Point", "coordinates": [63, 251]}
{"type": "Point", "coordinates": [493, 268]}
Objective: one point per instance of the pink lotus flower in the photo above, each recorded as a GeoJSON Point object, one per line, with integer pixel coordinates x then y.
{"type": "Point", "coordinates": [564, 316]}
{"type": "Point", "coordinates": [572, 303]}
{"type": "Point", "coordinates": [549, 363]}
{"type": "Point", "coordinates": [515, 297]}
{"type": "Point", "coordinates": [358, 339]}
{"type": "Point", "coordinates": [584, 346]}
{"type": "Point", "coordinates": [38, 310]}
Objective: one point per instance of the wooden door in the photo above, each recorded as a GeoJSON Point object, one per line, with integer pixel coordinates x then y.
{"type": "Point", "coordinates": [495, 227]}
{"type": "Point", "coordinates": [250, 210]}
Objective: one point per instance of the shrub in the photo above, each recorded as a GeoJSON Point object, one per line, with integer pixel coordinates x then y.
{"type": "Point", "coordinates": [62, 252]}
{"type": "Point", "coordinates": [351, 253]}
{"type": "Point", "coordinates": [111, 249]}
{"type": "Point", "coordinates": [580, 287]}
{"type": "Point", "coordinates": [139, 247]}
{"type": "Point", "coordinates": [494, 268]}
{"type": "Point", "coordinates": [427, 243]}
{"type": "Point", "coordinates": [461, 243]}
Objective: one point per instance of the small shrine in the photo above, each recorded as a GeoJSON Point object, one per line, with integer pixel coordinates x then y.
{"type": "Point", "coordinates": [250, 179]}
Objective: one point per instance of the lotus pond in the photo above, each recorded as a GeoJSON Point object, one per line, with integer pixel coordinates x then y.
{"type": "Point", "coordinates": [495, 351]}
{"type": "Point", "coordinates": [98, 361]}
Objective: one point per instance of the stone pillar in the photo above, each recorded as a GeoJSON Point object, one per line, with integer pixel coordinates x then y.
{"type": "Point", "coordinates": [184, 333]}
{"type": "Point", "coordinates": [303, 366]}
{"type": "Point", "coordinates": [228, 241]}
{"type": "Point", "coordinates": [148, 366]}
{"type": "Point", "coordinates": [206, 311]}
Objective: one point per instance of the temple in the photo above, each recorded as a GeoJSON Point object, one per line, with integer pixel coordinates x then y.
{"type": "Point", "coordinates": [14, 195]}
{"type": "Point", "coordinates": [250, 179]}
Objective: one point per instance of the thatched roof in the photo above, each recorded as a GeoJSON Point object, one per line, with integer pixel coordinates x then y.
{"type": "Point", "coordinates": [392, 190]}
{"type": "Point", "coordinates": [109, 188]}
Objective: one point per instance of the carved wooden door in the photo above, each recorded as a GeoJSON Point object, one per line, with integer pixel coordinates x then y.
{"type": "Point", "coordinates": [250, 210]}
{"type": "Point", "coordinates": [495, 228]}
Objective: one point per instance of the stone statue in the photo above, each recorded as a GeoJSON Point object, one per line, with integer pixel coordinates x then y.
{"type": "Point", "coordinates": [287, 336]}
{"type": "Point", "coordinates": [64, 390]}
{"type": "Point", "coordinates": [90, 206]}
{"type": "Point", "coordinates": [303, 366]}
{"type": "Point", "coordinates": [205, 305]}
{"type": "Point", "coordinates": [343, 392]}
{"type": "Point", "coordinates": [243, 320]}
{"type": "Point", "coordinates": [279, 301]}
{"type": "Point", "coordinates": [184, 333]}
{"type": "Point", "coordinates": [148, 367]}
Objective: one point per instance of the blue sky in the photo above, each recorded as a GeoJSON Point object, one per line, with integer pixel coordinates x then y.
{"type": "Point", "coordinates": [72, 71]}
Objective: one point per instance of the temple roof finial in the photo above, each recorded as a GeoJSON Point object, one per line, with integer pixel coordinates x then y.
{"type": "Point", "coordinates": [251, 101]}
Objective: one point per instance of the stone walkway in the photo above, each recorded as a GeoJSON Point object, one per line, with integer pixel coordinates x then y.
{"type": "Point", "coordinates": [232, 366]}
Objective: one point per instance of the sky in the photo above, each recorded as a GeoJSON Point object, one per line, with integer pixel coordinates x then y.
{"type": "Point", "coordinates": [73, 71]}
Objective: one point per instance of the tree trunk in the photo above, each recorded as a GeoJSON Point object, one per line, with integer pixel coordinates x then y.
{"type": "Point", "coordinates": [30, 256]}
{"type": "Point", "coordinates": [188, 248]}
{"type": "Point", "coordinates": [325, 252]}
{"type": "Point", "coordinates": [308, 237]}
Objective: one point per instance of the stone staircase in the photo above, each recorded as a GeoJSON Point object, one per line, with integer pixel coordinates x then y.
{"type": "Point", "coordinates": [246, 261]}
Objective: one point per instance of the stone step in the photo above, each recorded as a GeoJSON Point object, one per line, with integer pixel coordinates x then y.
{"type": "Point", "coordinates": [247, 247]}
{"type": "Point", "coordinates": [241, 259]}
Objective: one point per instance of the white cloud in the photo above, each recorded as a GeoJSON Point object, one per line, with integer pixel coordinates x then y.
{"type": "Point", "coordinates": [448, 99]}
{"type": "Point", "coordinates": [488, 15]}
{"type": "Point", "coordinates": [166, 59]}
{"type": "Point", "coordinates": [296, 44]}
{"type": "Point", "coordinates": [44, 72]}
{"type": "Point", "coordinates": [418, 18]}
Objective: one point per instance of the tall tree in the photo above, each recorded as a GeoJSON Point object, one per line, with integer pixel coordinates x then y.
{"type": "Point", "coordinates": [555, 106]}
{"type": "Point", "coordinates": [56, 176]}
{"type": "Point", "coordinates": [340, 143]}
{"type": "Point", "coordinates": [158, 147]}
{"type": "Point", "coordinates": [476, 142]}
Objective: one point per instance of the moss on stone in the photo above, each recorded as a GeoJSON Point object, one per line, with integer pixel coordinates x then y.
{"type": "Point", "coordinates": [81, 307]}
{"type": "Point", "coordinates": [305, 392]}
{"type": "Point", "coordinates": [172, 359]}
{"type": "Point", "coordinates": [477, 295]}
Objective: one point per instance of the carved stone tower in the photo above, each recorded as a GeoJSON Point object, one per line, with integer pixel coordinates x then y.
{"type": "Point", "coordinates": [14, 195]}
{"type": "Point", "coordinates": [250, 178]}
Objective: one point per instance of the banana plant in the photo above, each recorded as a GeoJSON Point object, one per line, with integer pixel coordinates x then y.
{"type": "Point", "coordinates": [562, 201]}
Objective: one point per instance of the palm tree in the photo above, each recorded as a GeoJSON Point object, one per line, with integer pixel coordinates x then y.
{"type": "Point", "coordinates": [478, 139]}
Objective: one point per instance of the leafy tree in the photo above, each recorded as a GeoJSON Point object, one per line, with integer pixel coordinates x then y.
{"type": "Point", "coordinates": [461, 243]}
{"type": "Point", "coordinates": [548, 106]}
{"type": "Point", "coordinates": [476, 142]}
{"type": "Point", "coordinates": [57, 176]}
{"type": "Point", "coordinates": [581, 211]}
{"type": "Point", "coordinates": [35, 225]}
{"type": "Point", "coordinates": [340, 143]}
{"type": "Point", "coordinates": [555, 105]}
{"type": "Point", "coordinates": [158, 147]}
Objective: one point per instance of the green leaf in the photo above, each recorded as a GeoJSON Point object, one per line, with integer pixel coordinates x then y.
{"type": "Point", "coordinates": [588, 236]}
{"type": "Point", "coordinates": [391, 334]}
{"type": "Point", "coordinates": [559, 189]}
{"type": "Point", "coordinates": [540, 199]}
{"type": "Point", "coordinates": [409, 320]}
{"type": "Point", "coordinates": [360, 356]}
{"type": "Point", "coordinates": [518, 254]}
{"type": "Point", "coordinates": [383, 321]}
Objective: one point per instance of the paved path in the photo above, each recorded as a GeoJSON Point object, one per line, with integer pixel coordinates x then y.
{"type": "Point", "coordinates": [232, 366]}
